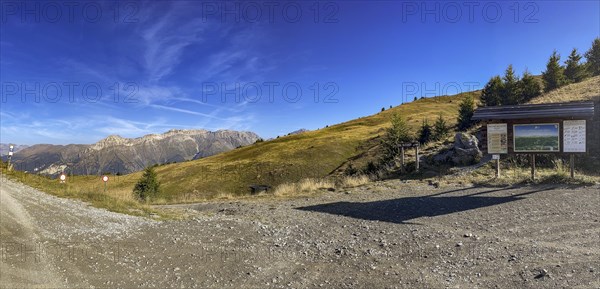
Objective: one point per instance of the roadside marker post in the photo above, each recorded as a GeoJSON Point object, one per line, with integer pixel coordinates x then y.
{"type": "Point", "coordinates": [11, 148]}
{"type": "Point", "coordinates": [105, 180]}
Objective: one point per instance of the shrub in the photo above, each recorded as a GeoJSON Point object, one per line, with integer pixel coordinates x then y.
{"type": "Point", "coordinates": [350, 170]}
{"type": "Point", "coordinates": [395, 135]}
{"type": "Point", "coordinates": [147, 186]}
{"type": "Point", "coordinates": [440, 128]}
{"type": "Point", "coordinates": [425, 132]}
{"type": "Point", "coordinates": [465, 113]}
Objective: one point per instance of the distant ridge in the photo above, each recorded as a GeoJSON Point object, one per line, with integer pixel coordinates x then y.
{"type": "Point", "coordinates": [116, 154]}
{"type": "Point", "coordinates": [4, 148]}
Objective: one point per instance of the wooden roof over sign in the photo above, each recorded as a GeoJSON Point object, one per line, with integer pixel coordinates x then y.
{"type": "Point", "coordinates": [566, 110]}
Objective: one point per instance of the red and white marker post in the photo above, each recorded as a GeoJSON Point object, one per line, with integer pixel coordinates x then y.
{"type": "Point", "coordinates": [105, 180]}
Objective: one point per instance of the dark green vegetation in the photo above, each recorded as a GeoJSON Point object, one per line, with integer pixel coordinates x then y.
{"type": "Point", "coordinates": [536, 143]}
{"type": "Point", "coordinates": [148, 186]}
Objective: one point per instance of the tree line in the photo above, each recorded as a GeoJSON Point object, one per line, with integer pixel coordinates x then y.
{"type": "Point", "coordinates": [512, 90]}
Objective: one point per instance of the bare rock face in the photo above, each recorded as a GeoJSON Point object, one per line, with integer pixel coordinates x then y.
{"type": "Point", "coordinates": [116, 154]}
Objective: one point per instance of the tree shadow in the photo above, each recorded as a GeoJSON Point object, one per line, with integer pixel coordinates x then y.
{"type": "Point", "coordinates": [403, 209]}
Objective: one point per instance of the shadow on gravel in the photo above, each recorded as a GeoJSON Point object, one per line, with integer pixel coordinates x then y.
{"type": "Point", "coordinates": [403, 209]}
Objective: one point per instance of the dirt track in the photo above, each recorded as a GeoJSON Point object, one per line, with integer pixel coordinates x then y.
{"type": "Point", "coordinates": [384, 235]}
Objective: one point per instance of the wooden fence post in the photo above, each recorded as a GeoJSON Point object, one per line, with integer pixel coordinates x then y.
{"type": "Point", "coordinates": [417, 158]}
{"type": "Point", "coordinates": [402, 158]}
{"type": "Point", "coordinates": [572, 166]}
{"type": "Point", "coordinates": [533, 167]}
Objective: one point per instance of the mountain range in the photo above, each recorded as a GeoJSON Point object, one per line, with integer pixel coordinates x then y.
{"type": "Point", "coordinates": [4, 148]}
{"type": "Point", "coordinates": [116, 154]}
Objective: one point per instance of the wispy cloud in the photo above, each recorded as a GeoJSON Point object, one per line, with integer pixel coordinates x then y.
{"type": "Point", "coordinates": [187, 111]}
{"type": "Point", "coordinates": [165, 41]}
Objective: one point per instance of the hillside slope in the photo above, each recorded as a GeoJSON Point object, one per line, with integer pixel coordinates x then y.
{"type": "Point", "coordinates": [316, 154]}
{"type": "Point", "coordinates": [588, 89]}
{"type": "Point", "coordinates": [313, 154]}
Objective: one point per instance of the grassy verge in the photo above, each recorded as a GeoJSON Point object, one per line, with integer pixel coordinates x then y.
{"type": "Point", "coordinates": [116, 198]}
{"type": "Point", "coordinates": [520, 175]}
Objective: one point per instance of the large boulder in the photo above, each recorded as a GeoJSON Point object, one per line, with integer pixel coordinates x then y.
{"type": "Point", "coordinates": [464, 140]}
{"type": "Point", "coordinates": [464, 151]}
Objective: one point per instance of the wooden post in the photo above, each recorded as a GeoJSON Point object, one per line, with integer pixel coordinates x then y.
{"type": "Point", "coordinates": [572, 166]}
{"type": "Point", "coordinates": [498, 168]}
{"type": "Point", "coordinates": [417, 158]}
{"type": "Point", "coordinates": [402, 158]}
{"type": "Point", "coordinates": [533, 167]}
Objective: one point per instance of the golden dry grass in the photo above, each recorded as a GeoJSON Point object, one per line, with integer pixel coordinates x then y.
{"type": "Point", "coordinates": [354, 181]}
{"type": "Point", "coordinates": [117, 197]}
{"type": "Point", "coordinates": [303, 187]}
{"type": "Point", "coordinates": [586, 90]}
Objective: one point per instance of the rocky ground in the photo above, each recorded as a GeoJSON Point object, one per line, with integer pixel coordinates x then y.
{"type": "Point", "coordinates": [384, 235]}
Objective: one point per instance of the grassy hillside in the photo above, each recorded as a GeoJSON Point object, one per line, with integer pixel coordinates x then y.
{"type": "Point", "coordinates": [313, 154]}
{"type": "Point", "coordinates": [588, 89]}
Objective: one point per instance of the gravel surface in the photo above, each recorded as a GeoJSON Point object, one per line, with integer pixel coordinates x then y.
{"type": "Point", "coordinates": [388, 234]}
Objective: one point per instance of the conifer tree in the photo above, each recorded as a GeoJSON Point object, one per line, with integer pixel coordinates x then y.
{"type": "Point", "coordinates": [574, 71]}
{"type": "Point", "coordinates": [554, 75]}
{"type": "Point", "coordinates": [511, 93]}
{"type": "Point", "coordinates": [530, 87]}
{"type": "Point", "coordinates": [147, 186]}
{"type": "Point", "coordinates": [492, 92]}
{"type": "Point", "coordinates": [465, 113]}
{"type": "Point", "coordinates": [593, 58]}
{"type": "Point", "coordinates": [425, 132]}
{"type": "Point", "coordinates": [440, 128]}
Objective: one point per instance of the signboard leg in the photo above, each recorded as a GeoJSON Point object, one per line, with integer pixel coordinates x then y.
{"type": "Point", "coordinates": [498, 168]}
{"type": "Point", "coordinates": [402, 158]}
{"type": "Point", "coordinates": [417, 160]}
{"type": "Point", "coordinates": [533, 167]}
{"type": "Point", "coordinates": [572, 166]}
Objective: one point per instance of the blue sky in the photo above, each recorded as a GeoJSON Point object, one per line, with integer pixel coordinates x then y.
{"type": "Point", "coordinates": [540, 130]}
{"type": "Point", "coordinates": [215, 65]}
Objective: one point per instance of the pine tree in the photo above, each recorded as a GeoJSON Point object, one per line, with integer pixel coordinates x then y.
{"type": "Point", "coordinates": [574, 71]}
{"type": "Point", "coordinates": [554, 75]}
{"type": "Point", "coordinates": [425, 132]}
{"type": "Point", "coordinates": [511, 93]}
{"type": "Point", "coordinates": [530, 87]}
{"type": "Point", "coordinates": [395, 135]}
{"type": "Point", "coordinates": [593, 58]}
{"type": "Point", "coordinates": [491, 94]}
{"type": "Point", "coordinates": [147, 186]}
{"type": "Point", "coordinates": [465, 113]}
{"type": "Point", "coordinates": [440, 128]}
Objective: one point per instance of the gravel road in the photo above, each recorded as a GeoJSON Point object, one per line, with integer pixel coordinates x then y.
{"type": "Point", "coordinates": [388, 234]}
